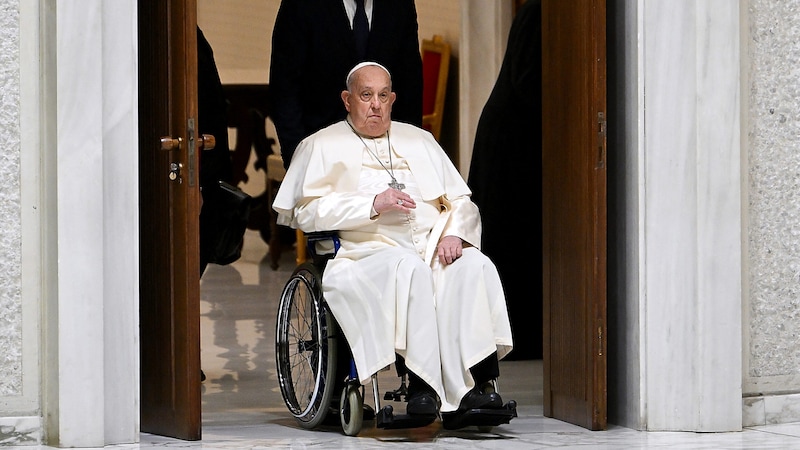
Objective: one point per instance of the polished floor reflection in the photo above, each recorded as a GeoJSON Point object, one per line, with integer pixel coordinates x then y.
{"type": "Point", "coordinates": [242, 407]}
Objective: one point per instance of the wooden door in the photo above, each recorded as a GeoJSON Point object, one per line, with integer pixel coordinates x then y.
{"type": "Point", "coordinates": [574, 211]}
{"type": "Point", "coordinates": [169, 219]}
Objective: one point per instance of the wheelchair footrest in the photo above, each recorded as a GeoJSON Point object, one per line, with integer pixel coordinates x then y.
{"type": "Point", "coordinates": [387, 420]}
{"type": "Point", "coordinates": [480, 417]}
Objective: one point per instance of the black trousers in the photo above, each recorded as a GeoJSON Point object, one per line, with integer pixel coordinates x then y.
{"type": "Point", "coordinates": [484, 371]}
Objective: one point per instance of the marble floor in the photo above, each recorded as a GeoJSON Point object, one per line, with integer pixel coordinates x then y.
{"type": "Point", "coordinates": [243, 409]}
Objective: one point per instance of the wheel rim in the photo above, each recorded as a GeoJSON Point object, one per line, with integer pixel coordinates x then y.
{"type": "Point", "coordinates": [304, 348]}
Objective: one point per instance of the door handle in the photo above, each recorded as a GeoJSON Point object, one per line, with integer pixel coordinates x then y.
{"type": "Point", "coordinates": [208, 142]}
{"type": "Point", "coordinates": [168, 143]}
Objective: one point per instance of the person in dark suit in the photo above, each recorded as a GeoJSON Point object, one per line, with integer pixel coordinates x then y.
{"type": "Point", "coordinates": [314, 47]}
{"type": "Point", "coordinates": [507, 158]}
{"type": "Point", "coordinates": [215, 164]}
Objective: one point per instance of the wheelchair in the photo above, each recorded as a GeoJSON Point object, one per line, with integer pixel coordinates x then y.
{"type": "Point", "coordinates": [316, 372]}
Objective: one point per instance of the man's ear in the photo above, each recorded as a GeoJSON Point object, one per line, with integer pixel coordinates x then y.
{"type": "Point", "coordinates": [392, 98]}
{"type": "Point", "coordinates": [346, 100]}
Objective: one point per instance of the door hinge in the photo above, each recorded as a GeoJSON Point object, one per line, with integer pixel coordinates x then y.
{"type": "Point", "coordinates": [599, 341]}
{"type": "Point", "coordinates": [601, 140]}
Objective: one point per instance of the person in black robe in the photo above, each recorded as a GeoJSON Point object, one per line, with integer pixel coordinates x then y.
{"type": "Point", "coordinates": [507, 161]}
{"type": "Point", "coordinates": [216, 164]}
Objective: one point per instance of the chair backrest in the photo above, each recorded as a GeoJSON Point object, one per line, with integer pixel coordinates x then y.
{"type": "Point", "coordinates": [435, 65]}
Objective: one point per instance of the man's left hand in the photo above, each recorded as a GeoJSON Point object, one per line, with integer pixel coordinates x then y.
{"type": "Point", "coordinates": [449, 249]}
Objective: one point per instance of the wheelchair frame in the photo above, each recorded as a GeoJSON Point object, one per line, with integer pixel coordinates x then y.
{"type": "Point", "coordinates": [309, 349]}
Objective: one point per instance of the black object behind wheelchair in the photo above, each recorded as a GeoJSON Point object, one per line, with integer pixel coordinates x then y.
{"type": "Point", "coordinates": [312, 356]}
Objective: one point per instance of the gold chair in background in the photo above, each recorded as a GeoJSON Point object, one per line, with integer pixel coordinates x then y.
{"type": "Point", "coordinates": [435, 66]}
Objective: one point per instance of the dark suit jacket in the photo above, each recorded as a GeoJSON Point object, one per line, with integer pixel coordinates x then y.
{"type": "Point", "coordinates": [313, 49]}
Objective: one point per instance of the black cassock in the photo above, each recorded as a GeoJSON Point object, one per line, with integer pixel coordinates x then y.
{"type": "Point", "coordinates": [505, 178]}
{"type": "Point", "coordinates": [215, 164]}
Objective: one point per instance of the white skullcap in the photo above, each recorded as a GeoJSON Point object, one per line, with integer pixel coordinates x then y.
{"type": "Point", "coordinates": [361, 65]}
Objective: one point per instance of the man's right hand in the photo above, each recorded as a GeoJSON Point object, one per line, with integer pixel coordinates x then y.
{"type": "Point", "coordinates": [393, 199]}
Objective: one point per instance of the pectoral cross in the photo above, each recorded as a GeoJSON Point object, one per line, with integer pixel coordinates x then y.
{"type": "Point", "coordinates": [397, 186]}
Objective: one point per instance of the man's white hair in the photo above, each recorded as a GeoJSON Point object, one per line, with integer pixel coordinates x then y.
{"type": "Point", "coordinates": [348, 80]}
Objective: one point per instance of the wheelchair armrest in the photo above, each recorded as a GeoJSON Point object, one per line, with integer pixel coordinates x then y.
{"type": "Point", "coordinates": [320, 236]}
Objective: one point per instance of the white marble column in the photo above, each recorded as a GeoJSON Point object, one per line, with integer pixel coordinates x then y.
{"type": "Point", "coordinates": [691, 215]}
{"type": "Point", "coordinates": [91, 346]}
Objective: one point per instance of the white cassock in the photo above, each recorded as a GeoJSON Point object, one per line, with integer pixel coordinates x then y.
{"type": "Point", "coordinates": [385, 286]}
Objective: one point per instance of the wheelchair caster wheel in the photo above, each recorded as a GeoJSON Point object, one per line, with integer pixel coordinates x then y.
{"type": "Point", "coordinates": [351, 410]}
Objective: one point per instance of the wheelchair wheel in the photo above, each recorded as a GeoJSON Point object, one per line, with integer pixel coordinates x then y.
{"type": "Point", "coordinates": [305, 347]}
{"type": "Point", "coordinates": [351, 409]}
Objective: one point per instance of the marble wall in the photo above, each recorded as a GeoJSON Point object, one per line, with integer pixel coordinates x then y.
{"type": "Point", "coordinates": [771, 301]}
{"type": "Point", "coordinates": [20, 421]}
{"type": "Point", "coordinates": [10, 239]}
{"type": "Point", "coordinates": [772, 347]}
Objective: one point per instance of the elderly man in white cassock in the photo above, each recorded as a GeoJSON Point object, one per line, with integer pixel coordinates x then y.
{"type": "Point", "coordinates": [409, 278]}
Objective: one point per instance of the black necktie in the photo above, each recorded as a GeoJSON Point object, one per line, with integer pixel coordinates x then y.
{"type": "Point", "coordinates": [361, 29]}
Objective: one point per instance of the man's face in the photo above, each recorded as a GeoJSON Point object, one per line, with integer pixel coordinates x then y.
{"type": "Point", "coordinates": [370, 102]}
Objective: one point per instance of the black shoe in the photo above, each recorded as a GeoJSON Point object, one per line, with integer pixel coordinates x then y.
{"type": "Point", "coordinates": [478, 398]}
{"type": "Point", "coordinates": [422, 404]}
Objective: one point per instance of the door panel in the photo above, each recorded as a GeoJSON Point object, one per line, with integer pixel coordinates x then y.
{"type": "Point", "coordinates": [169, 211]}
{"type": "Point", "coordinates": [574, 211]}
